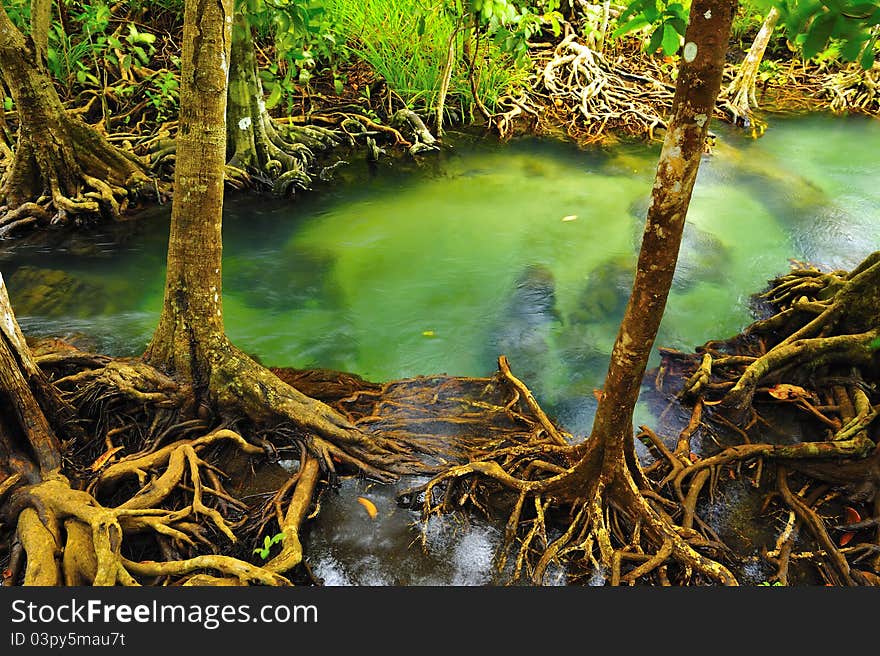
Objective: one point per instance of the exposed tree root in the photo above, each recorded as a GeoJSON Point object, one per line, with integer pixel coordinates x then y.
{"type": "Point", "coordinates": [815, 361]}
{"type": "Point", "coordinates": [616, 529]}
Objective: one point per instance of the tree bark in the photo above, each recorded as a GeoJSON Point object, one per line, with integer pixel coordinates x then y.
{"type": "Point", "coordinates": [191, 324]}
{"type": "Point", "coordinates": [26, 435]}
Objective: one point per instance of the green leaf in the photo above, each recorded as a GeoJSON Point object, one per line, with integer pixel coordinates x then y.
{"type": "Point", "coordinates": [651, 11]}
{"type": "Point", "coordinates": [274, 97]}
{"type": "Point", "coordinates": [867, 59]}
{"type": "Point", "coordinates": [635, 24]}
{"type": "Point", "coordinates": [7, 104]}
{"type": "Point", "coordinates": [852, 48]}
{"type": "Point", "coordinates": [671, 40]}
{"type": "Point", "coordinates": [656, 40]}
{"type": "Point", "coordinates": [818, 34]}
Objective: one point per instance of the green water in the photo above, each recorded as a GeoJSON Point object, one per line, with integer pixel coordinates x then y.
{"type": "Point", "coordinates": [524, 249]}
{"type": "Point", "coordinates": [441, 267]}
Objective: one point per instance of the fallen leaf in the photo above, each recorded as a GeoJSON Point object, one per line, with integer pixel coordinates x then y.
{"type": "Point", "coordinates": [428, 333]}
{"type": "Point", "coordinates": [852, 515]}
{"type": "Point", "coordinates": [104, 457]}
{"type": "Point", "coordinates": [370, 507]}
{"type": "Point", "coordinates": [693, 457]}
{"type": "Point", "coordinates": [784, 391]}
{"type": "Point", "coordinates": [845, 538]}
{"type": "Point", "coordinates": [598, 394]}
{"type": "Point", "coordinates": [570, 217]}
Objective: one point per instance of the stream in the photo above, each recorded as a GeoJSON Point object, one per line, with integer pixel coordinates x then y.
{"type": "Point", "coordinates": [524, 249]}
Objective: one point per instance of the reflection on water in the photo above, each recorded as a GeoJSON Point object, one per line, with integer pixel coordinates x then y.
{"type": "Point", "coordinates": [526, 249]}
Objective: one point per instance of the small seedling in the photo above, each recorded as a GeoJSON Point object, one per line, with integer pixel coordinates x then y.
{"type": "Point", "coordinates": [267, 545]}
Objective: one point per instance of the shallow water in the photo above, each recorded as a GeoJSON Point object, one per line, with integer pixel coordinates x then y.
{"type": "Point", "coordinates": [524, 249]}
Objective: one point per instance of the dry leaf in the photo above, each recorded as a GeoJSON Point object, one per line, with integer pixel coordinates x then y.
{"type": "Point", "coordinates": [598, 394]}
{"type": "Point", "coordinates": [370, 507]}
{"type": "Point", "coordinates": [104, 458]}
{"type": "Point", "coordinates": [852, 515]}
{"type": "Point", "coordinates": [845, 539]}
{"type": "Point", "coordinates": [784, 391]}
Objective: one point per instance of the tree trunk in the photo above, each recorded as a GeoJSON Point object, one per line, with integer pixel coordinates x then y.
{"type": "Point", "coordinates": [26, 436]}
{"type": "Point", "coordinates": [696, 90]}
{"type": "Point", "coordinates": [191, 324]}
{"type": "Point", "coordinates": [600, 480]}
{"type": "Point", "coordinates": [57, 154]}
{"type": "Point", "coordinates": [739, 97]}
{"type": "Point", "coordinates": [276, 154]}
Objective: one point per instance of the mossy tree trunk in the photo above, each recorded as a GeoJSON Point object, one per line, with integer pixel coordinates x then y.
{"type": "Point", "coordinates": [62, 166]}
{"type": "Point", "coordinates": [278, 155]}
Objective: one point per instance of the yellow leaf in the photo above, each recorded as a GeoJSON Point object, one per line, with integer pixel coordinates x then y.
{"type": "Point", "coordinates": [369, 506]}
{"type": "Point", "coordinates": [428, 333]}
{"type": "Point", "coordinates": [570, 217]}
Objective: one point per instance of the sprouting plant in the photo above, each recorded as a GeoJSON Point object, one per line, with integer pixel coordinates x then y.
{"type": "Point", "coordinates": [267, 545]}
{"type": "Point", "coordinates": [775, 584]}
{"type": "Point", "coordinates": [164, 94]}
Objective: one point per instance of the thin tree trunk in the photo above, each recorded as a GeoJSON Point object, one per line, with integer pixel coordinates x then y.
{"type": "Point", "coordinates": [740, 95]}
{"type": "Point", "coordinates": [445, 78]}
{"type": "Point", "coordinates": [696, 90]}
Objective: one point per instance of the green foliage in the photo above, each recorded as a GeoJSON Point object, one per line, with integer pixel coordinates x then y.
{"type": "Point", "coordinates": [667, 21]}
{"type": "Point", "coordinates": [304, 35]}
{"type": "Point", "coordinates": [847, 27]}
{"type": "Point", "coordinates": [407, 44]}
{"type": "Point", "coordinates": [775, 584]}
{"type": "Point", "coordinates": [511, 26]}
{"type": "Point", "coordinates": [268, 542]}
{"type": "Point", "coordinates": [164, 94]}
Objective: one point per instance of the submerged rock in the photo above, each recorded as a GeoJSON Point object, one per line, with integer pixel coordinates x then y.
{"type": "Point", "coordinates": [525, 326]}
{"type": "Point", "coordinates": [293, 280]}
{"type": "Point", "coordinates": [606, 292]}
{"type": "Point", "coordinates": [56, 293]}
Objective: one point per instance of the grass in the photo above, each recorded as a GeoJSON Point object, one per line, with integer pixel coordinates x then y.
{"type": "Point", "coordinates": [406, 43]}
